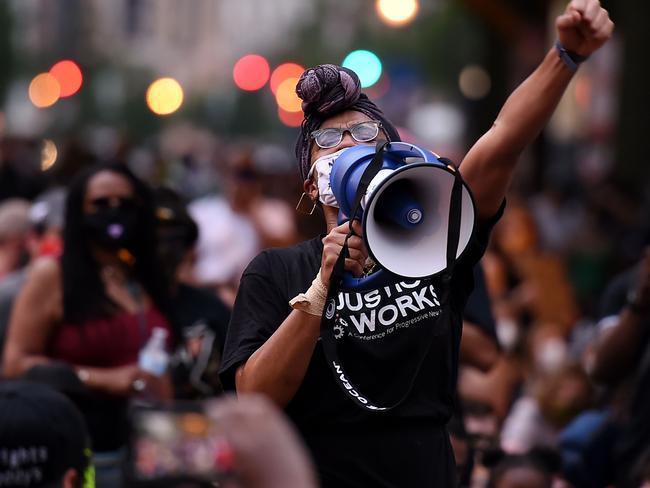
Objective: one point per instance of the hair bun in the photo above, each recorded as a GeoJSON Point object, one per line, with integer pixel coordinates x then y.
{"type": "Point", "coordinates": [328, 89]}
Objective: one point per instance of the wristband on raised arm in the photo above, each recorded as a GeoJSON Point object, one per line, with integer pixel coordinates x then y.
{"type": "Point", "coordinates": [569, 58]}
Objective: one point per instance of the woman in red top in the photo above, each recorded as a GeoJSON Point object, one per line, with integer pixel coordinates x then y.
{"type": "Point", "coordinates": [96, 308]}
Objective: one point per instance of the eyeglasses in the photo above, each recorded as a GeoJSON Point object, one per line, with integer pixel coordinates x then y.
{"type": "Point", "coordinates": [362, 132]}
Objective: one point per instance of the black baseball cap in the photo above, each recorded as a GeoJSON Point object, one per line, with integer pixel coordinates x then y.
{"type": "Point", "coordinates": [42, 435]}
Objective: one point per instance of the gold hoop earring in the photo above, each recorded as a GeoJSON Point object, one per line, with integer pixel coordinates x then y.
{"type": "Point", "coordinates": [300, 208]}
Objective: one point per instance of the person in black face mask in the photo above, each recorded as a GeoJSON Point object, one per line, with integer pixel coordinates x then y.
{"type": "Point", "coordinates": [95, 309]}
{"type": "Point", "coordinates": [113, 223]}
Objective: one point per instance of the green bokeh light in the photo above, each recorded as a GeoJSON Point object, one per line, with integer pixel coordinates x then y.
{"type": "Point", "coordinates": [366, 65]}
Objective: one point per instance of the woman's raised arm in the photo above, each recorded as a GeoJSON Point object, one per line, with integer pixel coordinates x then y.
{"type": "Point", "coordinates": [583, 28]}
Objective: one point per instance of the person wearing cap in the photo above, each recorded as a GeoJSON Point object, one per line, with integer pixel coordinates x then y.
{"type": "Point", "coordinates": [43, 439]}
{"type": "Point", "coordinates": [274, 344]}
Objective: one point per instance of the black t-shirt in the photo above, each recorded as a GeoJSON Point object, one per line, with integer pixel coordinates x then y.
{"type": "Point", "coordinates": [201, 321]}
{"type": "Point", "coordinates": [378, 332]}
{"type": "Point", "coordinates": [635, 436]}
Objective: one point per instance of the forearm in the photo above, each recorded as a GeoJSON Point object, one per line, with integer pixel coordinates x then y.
{"type": "Point", "coordinates": [477, 349]}
{"type": "Point", "coordinates": [15, 365]}
{"type": "Point", "coordinates": [489, 165]}
{"type": "Point", "coordinates": [106, 380]}
{"type": "Point", "coordinates": [278, 367]}
{"type": "Point", "coordinates": [617, 353]}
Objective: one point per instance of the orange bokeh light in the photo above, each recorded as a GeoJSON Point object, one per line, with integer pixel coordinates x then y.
{"type": "Point", "coordinates": [284, 71]}
{"type": "Point", "coordinates": [251, 72]}
{"type": "Point", "coordinates": [291, 119]}
{"type": "Point", "coordinates": [69, 76]}
{"type": "Point", "coordinates": [286, 96]}
{"type": "Point", "coordinates": [44, 90]}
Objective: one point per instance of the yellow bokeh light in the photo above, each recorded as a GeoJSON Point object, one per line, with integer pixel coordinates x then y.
{"type": "Point", "coordinates": [49, 154]}
{"type": "Point", "coordinates": [286, 96]}
{"type": "Point", "coordinates": [164, 96]}
{"type": "Point", "coordinates": [397, 12]}
{"type": "Point", "coordinates": [44, 90]}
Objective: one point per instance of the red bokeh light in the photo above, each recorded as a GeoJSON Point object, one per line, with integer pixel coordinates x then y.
{"type": "Point", "coordinates": [251, 72]}
{"type": "Point", "coordinates": [69, 76]}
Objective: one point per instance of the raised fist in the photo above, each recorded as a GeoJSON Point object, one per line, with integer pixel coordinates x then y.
{"type": "Point", "coordinates": [584, 27]}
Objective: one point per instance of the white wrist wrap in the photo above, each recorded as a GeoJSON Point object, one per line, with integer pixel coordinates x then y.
{"type": "Point", "coordinates": [313, 300]}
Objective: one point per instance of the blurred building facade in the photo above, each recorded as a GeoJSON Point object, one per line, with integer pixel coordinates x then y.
{"type": "Point", "coordinates": [190, 41]}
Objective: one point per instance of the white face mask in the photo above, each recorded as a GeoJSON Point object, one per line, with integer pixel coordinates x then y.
{"type": "Point", "coordinates": [323, 168]}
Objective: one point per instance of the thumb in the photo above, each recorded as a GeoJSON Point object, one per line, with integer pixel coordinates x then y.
{"type": "Point", "coordinates": [568, 19]}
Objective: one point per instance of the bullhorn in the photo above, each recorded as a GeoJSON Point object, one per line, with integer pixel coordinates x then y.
{"type": "Point", "coordinates": [405, 211]}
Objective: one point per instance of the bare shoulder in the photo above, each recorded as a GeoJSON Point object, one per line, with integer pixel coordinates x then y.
{"type": "Point", "coordinates": [36, 311]}
{"type": "Point", "coordinates": [44, 284]}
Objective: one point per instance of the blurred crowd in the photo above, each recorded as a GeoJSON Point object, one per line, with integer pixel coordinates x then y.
{"type": "Point", "coordinates": [98, 253]}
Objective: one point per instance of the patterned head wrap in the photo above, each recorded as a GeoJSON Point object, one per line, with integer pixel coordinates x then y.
{"type": "Point", "coordinates": [327, 90]}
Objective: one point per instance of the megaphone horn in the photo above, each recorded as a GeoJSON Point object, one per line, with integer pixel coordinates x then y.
{"type": "Point", "coordinates": [405, 212]}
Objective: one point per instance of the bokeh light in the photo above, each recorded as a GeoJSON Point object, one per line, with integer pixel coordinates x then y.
{"type": "Point", "coordinates": [474, 82]}
{"type": "Point", "coordinates": [49, 154]}
{"type": "Point", "coordinates": [365, 64]}
{"type": "Point", "coordinates": [164, 96]}
{"type": "Point", "coordinates": [194, 424]}
{"type": "Point", "coordinates": [290, 119]}
{"type": "Point", "coordinates": [251, 72]}
{"type": "Point", "coordinates": [44, 90]}
{"type": "Point", "coordinates": [397, 12]}
{"type": "Point", "coordinates": [439, 125]}
{"type": "Point", "coordinates": [286, 96]}
{"type": "Point", "coordinates": [69, 76]}
{"type": "Point", "coordinates": [283, 72]}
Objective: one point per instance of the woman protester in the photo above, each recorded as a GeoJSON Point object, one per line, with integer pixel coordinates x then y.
{"type": "Point", "coordinates": [275, 349]}
{"type": "Point", "coordinates": [97, 307]}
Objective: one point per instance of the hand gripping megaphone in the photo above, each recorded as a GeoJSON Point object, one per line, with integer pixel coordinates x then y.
{"type": "Point", "coordinates": [405, 210]}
